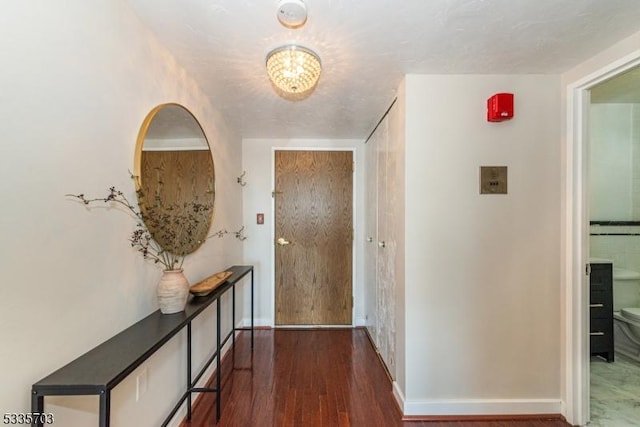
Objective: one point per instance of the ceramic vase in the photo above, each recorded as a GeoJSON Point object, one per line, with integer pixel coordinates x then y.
{"type": "Point", "coordinates": [173, 291]}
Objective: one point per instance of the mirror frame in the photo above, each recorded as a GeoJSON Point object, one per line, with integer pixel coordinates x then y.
{"type": "Point", "coordinates": [137, 174]}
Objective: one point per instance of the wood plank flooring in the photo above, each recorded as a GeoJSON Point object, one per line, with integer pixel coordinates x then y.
{"type": "Point", "coordinates": [326, 377]}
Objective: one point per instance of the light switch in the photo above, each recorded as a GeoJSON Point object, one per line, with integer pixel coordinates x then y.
{"type": "Point", "coordinates": [493, 180]}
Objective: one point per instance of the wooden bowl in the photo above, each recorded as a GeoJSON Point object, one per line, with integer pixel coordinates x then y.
{"type": "Point", "coordinates": [206, 286]}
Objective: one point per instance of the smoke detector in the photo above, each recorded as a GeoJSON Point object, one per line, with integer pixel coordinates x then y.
{"type": "Point", "coordinates": [292, 13]}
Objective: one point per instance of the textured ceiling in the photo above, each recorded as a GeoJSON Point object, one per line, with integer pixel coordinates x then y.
{"type": "Point", "coordinates": [367, 46]}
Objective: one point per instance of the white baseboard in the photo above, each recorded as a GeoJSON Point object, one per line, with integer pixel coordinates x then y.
{"type": "Point", "coordinates": [258, 323]}
{"type": "Point", "coordinates": [470, 407]}
{"type": "Point", "coordinates": [178, 418]}
{"type": "Point", "coordinates": [399, 395]}
{"type": "Point", "coordinates": [563, 410]}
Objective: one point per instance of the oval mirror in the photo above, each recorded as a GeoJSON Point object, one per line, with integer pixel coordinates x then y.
{"type": "Point", "coordinates": [175, 178]}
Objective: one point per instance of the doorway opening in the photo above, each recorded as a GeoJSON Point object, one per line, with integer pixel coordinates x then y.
{"type": "Point", "coordinates": [613, 176]}
{"type": "Point", "coordinates": [579, 227]}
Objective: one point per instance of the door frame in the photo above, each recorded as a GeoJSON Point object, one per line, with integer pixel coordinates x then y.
{"type": "Point", "coordinates": [576, 239]}
{"type": "Point", "coordinates": [353, 219]}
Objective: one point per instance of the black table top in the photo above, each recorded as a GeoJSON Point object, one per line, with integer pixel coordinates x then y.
{"type": "Point", "coordinates": [103, 367]}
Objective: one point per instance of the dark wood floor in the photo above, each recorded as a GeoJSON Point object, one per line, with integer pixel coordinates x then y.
{"type": "Point", "coordinates": [328, 377]}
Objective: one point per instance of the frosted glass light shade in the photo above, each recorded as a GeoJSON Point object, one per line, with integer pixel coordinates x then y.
{"type": "Point", "coordinates": [293, 70]}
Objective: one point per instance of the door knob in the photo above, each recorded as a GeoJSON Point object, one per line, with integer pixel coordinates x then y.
{"type": "Point", "coordinates": [282, 241]}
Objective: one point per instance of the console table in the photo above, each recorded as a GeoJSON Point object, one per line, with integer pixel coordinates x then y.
{"type": "Point", "coordinates": [98, 371]}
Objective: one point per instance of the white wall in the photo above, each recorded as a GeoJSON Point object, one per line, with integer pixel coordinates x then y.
{"type": "Point", "coordinates": [79, 78]}
{"type": "Point", "coordinates": [612, 149]}
{"type": "Point", "coordinates": [482, 286]}
{"type": "Point", "coordinates": [257, 158]}
{"type": "Point", "coordinates": [635, 154]}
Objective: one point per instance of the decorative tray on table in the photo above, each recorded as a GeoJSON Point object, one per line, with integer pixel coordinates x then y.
{"type": "Point", "coordinates": [206, 286]}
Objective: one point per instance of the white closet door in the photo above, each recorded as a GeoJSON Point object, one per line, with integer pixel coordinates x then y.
{"type": "Point", "coordinates": [371, 235]}
{"type": "Point", "coordinates": [383, 227]}
{"type": "Point", "coordinates": [385, 259]}
{"type": "Point", "coordinates": [393, 219]}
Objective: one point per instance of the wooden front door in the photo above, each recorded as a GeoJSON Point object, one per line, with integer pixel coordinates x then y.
{"type": "Point", "coordinates": [314, 237]}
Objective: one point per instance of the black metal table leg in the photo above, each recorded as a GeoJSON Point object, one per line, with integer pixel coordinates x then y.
{"type": "Point", "coordinates": [37, 406]}
{"type": "Point", "coordinates": [105, 408]}
{"type": "Point", "coordinates": [189, 385]}
{"type": "Point", "coordinates": [252, 308]}
{"type": "Point", "coordinates": [218, 362]}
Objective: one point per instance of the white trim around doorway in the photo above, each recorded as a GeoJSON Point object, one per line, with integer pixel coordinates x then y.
{"type": "Point", "coordinates": [576, 239]}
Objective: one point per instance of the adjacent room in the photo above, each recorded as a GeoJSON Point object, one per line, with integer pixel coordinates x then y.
{"type": "Point", "coordinates": [614, 141]}
{"type": "Point", "coordinates": [315, 212]}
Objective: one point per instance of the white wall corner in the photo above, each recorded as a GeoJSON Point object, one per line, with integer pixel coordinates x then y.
{"type": "Point", "coordinates": [360, 321]}
{"type": "Point", "coordinates": [481, 407]}
{"type": "Point", "coordinates": [563, 409]}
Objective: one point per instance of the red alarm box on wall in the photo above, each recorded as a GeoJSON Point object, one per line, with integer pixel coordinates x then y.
{"type": "Point", "coordinates": [500, 107]}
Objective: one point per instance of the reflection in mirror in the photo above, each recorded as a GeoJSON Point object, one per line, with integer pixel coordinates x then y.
{"type": "Point", "coordinates": [175, 178]}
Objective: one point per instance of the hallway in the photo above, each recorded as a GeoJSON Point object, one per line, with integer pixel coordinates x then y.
{"type": "Point", "coordinates": [319, 377]}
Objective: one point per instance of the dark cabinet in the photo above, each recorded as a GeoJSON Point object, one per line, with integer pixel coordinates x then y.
{"type": "Point", "coordinates": [601, 311]}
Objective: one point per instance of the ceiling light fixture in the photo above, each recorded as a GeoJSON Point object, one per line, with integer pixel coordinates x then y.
{"type": "Point", "coordinates": [294, 71]}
